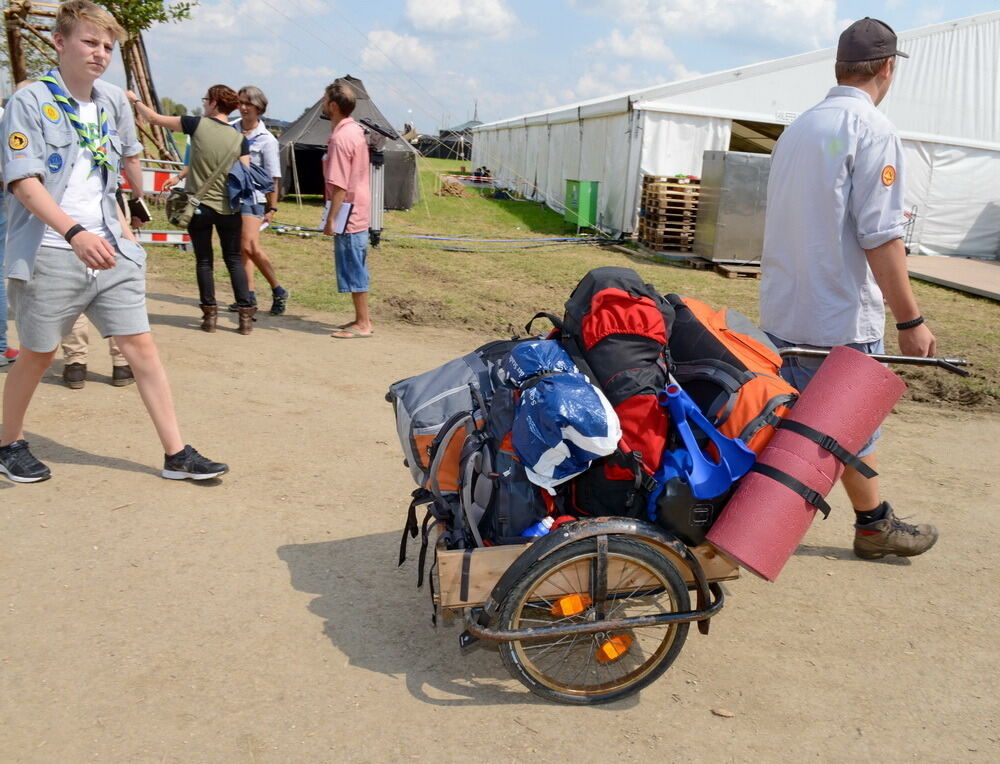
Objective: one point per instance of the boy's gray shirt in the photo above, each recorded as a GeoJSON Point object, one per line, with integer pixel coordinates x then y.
{"type": "Point", "coordinates": [39, 141]}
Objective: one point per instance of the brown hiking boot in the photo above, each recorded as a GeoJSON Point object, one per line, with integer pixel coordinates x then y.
{"type": "Point", "coordinates": [209, 317]}
{"type": "Point", "coordinates": [246, 317]}
{"type": "Point", "coordinates": [75, 375]}
{"type": "Point", "coordinates": [892, 536]}
{"type": "Point", "coordinates": [122, 376]}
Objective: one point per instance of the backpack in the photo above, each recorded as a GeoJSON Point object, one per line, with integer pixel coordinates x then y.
{"type": "Point", "coordinates": [453, 423]}
{"type": "Point", "coordinates": [730, 369]}
{"type": "Point", "coordinates": [616, 329]}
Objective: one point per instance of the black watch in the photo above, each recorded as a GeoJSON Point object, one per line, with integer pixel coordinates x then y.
{"type": "Point", "coordinates": [270, 209]}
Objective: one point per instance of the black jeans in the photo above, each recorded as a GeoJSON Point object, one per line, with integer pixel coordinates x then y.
{"type": "Point", "coordinates": [230, 229]}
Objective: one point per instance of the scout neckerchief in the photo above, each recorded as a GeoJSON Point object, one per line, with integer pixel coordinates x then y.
{"type": "Point", "coordinates": [98, 145]}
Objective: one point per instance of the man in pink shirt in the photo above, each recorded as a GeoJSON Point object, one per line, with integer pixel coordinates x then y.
{"type": "Point", "coordinates": [346, 171]}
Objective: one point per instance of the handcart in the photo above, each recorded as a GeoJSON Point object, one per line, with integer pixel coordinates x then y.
{"type": "Point", "coordinates": [598, 608]}
{"type": "Point", "coordinates": [589, 613]}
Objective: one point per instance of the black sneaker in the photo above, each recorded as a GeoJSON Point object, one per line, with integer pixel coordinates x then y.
{"type": "Point", "coordinates": [17, 463]}
{"type": "Point", "coordinates": [190, 465]}
{"type": "Point", "coordinates": [235, 306]}
{"type": "Point", "coordinates": [279, 301]}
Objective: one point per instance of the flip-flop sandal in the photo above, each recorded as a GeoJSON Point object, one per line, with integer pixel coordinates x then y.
{"type": "Point", "coordinates": [351, 334]}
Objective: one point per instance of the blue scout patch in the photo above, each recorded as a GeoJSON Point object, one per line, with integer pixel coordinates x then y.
{"type": "Point", "coordinates": [51, 112]}
{"type": "Point", "coordinates": [55, 163]}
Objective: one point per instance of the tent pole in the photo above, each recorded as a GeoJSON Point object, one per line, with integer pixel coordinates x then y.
{"type": "Point", "coordinates": [295, 174]}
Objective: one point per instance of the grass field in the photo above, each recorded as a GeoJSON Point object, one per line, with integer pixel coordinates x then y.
{"type": "Point", "coordinates": [494, 289]}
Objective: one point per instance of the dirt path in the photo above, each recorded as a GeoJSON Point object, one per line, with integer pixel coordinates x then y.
{"type": "Point", "coordinates": [262, 619]}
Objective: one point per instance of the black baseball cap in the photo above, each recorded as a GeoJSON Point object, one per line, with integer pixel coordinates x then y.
{"type": "Point", "coordinates": [867, 40]}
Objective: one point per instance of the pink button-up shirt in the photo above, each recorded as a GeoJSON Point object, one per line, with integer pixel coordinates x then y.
{"type": "Point", "coordinates": [346, 166]}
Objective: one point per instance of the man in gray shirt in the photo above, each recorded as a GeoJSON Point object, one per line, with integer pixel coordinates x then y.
{"type": "Point", "coordinates": [833, 249]}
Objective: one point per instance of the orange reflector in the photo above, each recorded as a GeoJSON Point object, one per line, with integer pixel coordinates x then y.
{"type": "Point", "coordinates": [571, 604]}
{"type": "Point", "coordinates": [614, 648]}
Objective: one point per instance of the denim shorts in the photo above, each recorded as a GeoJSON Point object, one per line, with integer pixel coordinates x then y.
{"type": "Point", "coordinates": [254, 210]}
{"type": "Point", "coordinates": [62, 287]}
{"type": "Point", "coordinates": [350, 256]}
{"type": "Point", "coordinates": [797, 372]}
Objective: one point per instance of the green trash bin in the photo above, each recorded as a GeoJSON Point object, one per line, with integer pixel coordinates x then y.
{"type": "Point", "coordinates": [581, 203]}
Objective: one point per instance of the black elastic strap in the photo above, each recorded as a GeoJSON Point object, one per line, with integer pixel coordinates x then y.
{"type": "Point", "coordinates": [828, 443]}
{"type": "Point", "coordinates": [422, 558]}
{"type": "Point", "coordinates": [466, 567]}
{"type": "Point", "coordinates": [556, 322]}
{"type": "Point", "coordinates": [798, 487]}
{"type": "Point", "coordinates": [411, 527]}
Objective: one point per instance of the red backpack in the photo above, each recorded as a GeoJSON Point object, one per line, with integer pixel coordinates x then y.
{"type": "Point", "coordinates": [616, 328]}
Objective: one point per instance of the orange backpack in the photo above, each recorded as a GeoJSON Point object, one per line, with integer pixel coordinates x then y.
{"type": "Point", "coordinates": [730, 369]}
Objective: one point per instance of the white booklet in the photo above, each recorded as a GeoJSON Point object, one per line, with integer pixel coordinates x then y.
{"type": "Point", "coordinates": [340, 224]}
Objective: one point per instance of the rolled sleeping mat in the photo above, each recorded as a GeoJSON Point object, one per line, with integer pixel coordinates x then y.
{"type": "Point", "coordinates": [768, 515]}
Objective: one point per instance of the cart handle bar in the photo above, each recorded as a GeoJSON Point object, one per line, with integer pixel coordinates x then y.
{"type": "Point", "coordinates": [949, 364]}
{"type": "Point", "coordinates": [593, 627]}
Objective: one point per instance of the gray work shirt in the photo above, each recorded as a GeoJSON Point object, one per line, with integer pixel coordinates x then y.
{"type": "Point", "coordinates": [39, 141]}
{"type": "Point", "coordinates": [834, 191]}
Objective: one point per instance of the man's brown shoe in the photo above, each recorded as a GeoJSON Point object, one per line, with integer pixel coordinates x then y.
{"type": "Point", "coordinates": [122, 375]}
{"type": "Point", "coordinates": [892, 536]}
{"type": "Point", "coordinates": [75, 375]}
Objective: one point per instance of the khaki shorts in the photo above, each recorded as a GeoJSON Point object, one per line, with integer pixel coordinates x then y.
{"type": "Point", "coordinates": [61, 287]}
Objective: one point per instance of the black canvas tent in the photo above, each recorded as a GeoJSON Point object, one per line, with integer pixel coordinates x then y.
{"type": "Point", "coordinates": [303, 144]}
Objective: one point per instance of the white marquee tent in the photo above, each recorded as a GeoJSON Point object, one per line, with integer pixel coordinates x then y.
{"type": "Point", "coordinates": [945, 103]}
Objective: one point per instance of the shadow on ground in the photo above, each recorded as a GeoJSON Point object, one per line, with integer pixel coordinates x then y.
{"type": "Point", "coordinates": [376, 616]}
{"type": "Point", "coordinates": [844, 554]}
{"type": "Point", "coordinates": [53, 452]}
{"type": "Point", "coordinates": [191, 319]}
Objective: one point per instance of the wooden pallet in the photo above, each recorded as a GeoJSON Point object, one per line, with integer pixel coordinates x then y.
{"type": "Point", "coordinates": [665, 227]}
{"type": "Point", "coordinates": [669, 205]}
{"type": "Point", "coordinates": [738, 271]}
{"type": "Point", "coordinates": [671, 192]}
{"type": "Point", "coordinates": [667, 246]}
{"type": "Point", "coordinates": [666, 180]}
{"type": "Point", "coordinates": [657, 215]}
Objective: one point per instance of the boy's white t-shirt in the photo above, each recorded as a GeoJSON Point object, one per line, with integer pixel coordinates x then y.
{"type": "Point", "coordinates": [84, 194]}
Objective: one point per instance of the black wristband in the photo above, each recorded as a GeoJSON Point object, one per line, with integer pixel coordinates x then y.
{"type": "Point", "coordinates": [73, 232]}
{"type": "Point", "coordinates": [910, 324]}
{"type": "Point", "coordinates": [270, 209]}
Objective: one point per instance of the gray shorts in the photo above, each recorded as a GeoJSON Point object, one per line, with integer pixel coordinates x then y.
{"type": "Point", "coordinates": [797, 372]}
{"type": "Point", "coordinates": [61, 288]}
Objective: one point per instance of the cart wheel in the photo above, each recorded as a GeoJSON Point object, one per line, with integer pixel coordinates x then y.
{"type": "Point", "coordinates": [594, 668]}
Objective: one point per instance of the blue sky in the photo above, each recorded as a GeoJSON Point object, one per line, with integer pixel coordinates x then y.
{"type": "Point", "coordinates": [428, 61]}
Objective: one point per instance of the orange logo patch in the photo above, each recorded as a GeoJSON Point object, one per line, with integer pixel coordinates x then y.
{"type": "Point", "coordinates": [888, 175]}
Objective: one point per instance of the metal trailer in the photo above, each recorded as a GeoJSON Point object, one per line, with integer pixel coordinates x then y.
{"type": "Point", "coordinates": [598, 608]}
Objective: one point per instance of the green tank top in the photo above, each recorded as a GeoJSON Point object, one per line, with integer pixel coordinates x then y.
{"type": "Point", "coordinates": [212, 144]}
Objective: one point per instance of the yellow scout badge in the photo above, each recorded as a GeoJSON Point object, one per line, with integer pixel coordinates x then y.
{"type": "Point", "coordinates": [51, 113]}
{"type": "Point", "coordinates": [888, 175]}
{"type": "Point", "coordinates": [17, 141]}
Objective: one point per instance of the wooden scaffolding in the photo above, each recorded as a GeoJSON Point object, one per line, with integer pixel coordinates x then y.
{"type": "Point", "coordinates": [30, 23]}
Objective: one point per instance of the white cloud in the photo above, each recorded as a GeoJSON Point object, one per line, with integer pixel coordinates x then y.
{"type": "Point", "coordinates": [257, 64]}
{"type": "Point", "coordinates": [388, 51]}
{"type": "Point", "coordinates": [449, 18]}
{"type": "Point", "coordinates": [809, 22]}
{"type": "Point", "coordinates": [641, 43]}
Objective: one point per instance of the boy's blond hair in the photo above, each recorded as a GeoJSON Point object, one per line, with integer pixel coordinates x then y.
{"type": "Point", "coordinates": [73, 12]}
